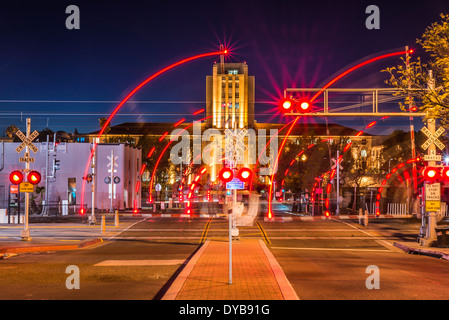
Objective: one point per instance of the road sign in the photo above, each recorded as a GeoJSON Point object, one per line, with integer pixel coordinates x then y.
{"type": "Point", "coordinates": [433, 206]}
{"type": "Point", "coordinates": [26, 158]}
{"type": "Point", "coordinates": [433, 191]}
{"type": "Point", "coordinates": [433, 138]}
{"type": "Point", "coordinates": [335, 164]}
{"type": "Point", "coordinates": [432, 157]}
{"type": "Point", "coordinates": [26, 187]}
{"type": "Point", "coordinates": [235, 184]}
{"type": "Point", "coordinates": [27, 142]}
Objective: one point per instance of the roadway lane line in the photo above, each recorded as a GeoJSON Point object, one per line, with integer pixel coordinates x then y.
{"type": "Point", "coordinates": [264, 234]}
{"type": "Point", "coordinates": [206, 229]}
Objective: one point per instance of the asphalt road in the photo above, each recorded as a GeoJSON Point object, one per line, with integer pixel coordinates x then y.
{"type": "Point", "coordinates": [332, 259]}
{"type": "Point", "coordinates": [323, 259]}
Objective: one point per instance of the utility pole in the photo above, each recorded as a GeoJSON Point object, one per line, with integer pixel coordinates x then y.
{"type": "Point", "coordinates": [412, 127]}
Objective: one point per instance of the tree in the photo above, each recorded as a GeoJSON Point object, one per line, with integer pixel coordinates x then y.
{"type": "Point", "coordinates": [425, 84]}
{"type": "Point", "coordinates": [102, 123]}
{"type": "Point", "coordinates": [11, 130]}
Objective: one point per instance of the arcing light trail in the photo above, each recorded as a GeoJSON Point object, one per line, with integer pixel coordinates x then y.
{"type": "Point", "coordinates": [270, 213]}
{"type": "Point", "coordinates": [136, 89]}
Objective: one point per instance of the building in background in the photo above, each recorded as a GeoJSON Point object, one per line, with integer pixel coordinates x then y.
{"type": "Point", "coordinates": [64, 185]}
{"type": "Point", "coordinates": [230, 93]}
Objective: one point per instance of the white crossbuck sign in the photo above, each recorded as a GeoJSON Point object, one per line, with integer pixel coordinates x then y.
{"type": "Point", "coordinates": [433, 138]}
{"type": "Point", "coordinates": [235, 144]}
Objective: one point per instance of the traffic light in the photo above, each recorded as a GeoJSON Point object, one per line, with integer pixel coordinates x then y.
{"type": "Point", "coordinates": [226, 175]}
{"type": "Point", "coordinates": [56, 164]}
{"type": "Point", "coordinates": [244, 174]}
{"type": "Point", "coordinates": [88, 178]}
{"type": "Point", "coordinates": [34, 177]}
{"type": "Point", "coordinates": [431, 174]}
{"type": "Point", "coordinates": [286, 105]}
{"type": "Point", "coordinates": [16, 177]}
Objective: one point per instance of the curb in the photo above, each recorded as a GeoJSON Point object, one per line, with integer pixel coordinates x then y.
{"type": "Point", "coordinates": [334, 217]}
{"type": "Point", "coordinates": [427, 252]}
{"type": "Point", "coordinates": [49, 247]}
{"type": "Point", "coordinates": [284, 285]}
{"type": "Point", "coordinates": [176, 286]}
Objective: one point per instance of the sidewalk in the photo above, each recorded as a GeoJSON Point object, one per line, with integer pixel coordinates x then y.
{"type": "Point", "coordinates": [416, 248]}
{"type": "Point", "coordinates": [50, 237]}
{"type": "Point", "coordinates": [256, 275]}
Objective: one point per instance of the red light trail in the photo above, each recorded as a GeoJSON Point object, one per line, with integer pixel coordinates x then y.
{"type": "Point", "coordinates": [270, 213]}
{"type": "Point", "coordinates": [117, 108]}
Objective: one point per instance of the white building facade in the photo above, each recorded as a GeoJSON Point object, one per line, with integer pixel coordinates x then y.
{"type": "Point", "coordinates": [64, 186]}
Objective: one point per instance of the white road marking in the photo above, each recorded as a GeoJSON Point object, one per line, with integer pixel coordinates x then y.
{"type": "Point", "coordinates": [109, 263]}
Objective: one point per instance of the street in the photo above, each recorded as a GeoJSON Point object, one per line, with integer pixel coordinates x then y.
{"type": "Point", "coordinates": [322, 259]}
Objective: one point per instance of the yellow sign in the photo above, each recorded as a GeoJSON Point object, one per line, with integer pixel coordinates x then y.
{"type": "Point", "coordinates": [433, 206]}
{"type": "Point", "coordinates": [26, 187]}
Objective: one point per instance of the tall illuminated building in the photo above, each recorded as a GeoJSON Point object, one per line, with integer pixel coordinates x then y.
{"type": "Point", "coordinates": [230, 96]}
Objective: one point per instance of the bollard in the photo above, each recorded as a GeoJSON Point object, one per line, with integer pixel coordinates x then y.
{"type": "Point", "coordinates": [116, 219]}
{"type": "Point", "coordinates": [103, 224]}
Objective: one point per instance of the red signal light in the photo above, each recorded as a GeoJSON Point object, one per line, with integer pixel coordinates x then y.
{"type": "Point", "coordinates": [445, 174]}
{"type": "Point", "coordinates": [431, 174]}
{"type": "Point", "coordinates": [304, 106]}
{"type": "Point", "coordinates": [244, 174]}
{"type": "Point", "coordinates": [16, 177]}
{"type": "Point", "coordinates": [34, 177]}
{"type": "Point", "coordinates": [226, 174]}
{"type": "Point", "coordinates": [286, 105]}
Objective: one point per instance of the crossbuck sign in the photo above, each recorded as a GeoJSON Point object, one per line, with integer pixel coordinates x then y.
{"type": "Point", "coordinates": [433, 138]}
{"type": "Point", "coordinates": [26, 142]}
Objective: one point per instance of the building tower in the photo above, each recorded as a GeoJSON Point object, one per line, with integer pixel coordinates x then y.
{"type": "Point", "coordinates": [230, 96]}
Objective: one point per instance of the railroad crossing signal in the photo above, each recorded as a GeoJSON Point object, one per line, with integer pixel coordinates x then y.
{"type": "Point", "coordinates": [432, 138]}
{"type": "Point", "coordinates": [27, 142]}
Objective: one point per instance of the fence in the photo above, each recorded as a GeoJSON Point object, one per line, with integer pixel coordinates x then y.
{"type": "Point", "coordinates": [400, 209]}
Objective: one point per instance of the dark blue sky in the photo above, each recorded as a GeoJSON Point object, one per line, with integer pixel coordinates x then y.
{"type": "Point", "coordinates": [120, 43]}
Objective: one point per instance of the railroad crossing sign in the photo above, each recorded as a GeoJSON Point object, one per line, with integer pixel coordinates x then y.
{"type": "Point", "coordinates": [433, 197]}
{"type": "Point", "coordinates": [334, 166]}
{"type": "Point", "coordinates": [27, 142]}
{"type": "Point", "coordinates": [433, 138]}
{"type": "Point", "coordinates": [112, 162]}
{"type": "Point", "coordinates": [235, 145]}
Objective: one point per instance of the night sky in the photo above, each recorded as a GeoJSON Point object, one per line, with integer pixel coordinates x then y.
{"type": "Point", "coordinates": [120, 43]}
